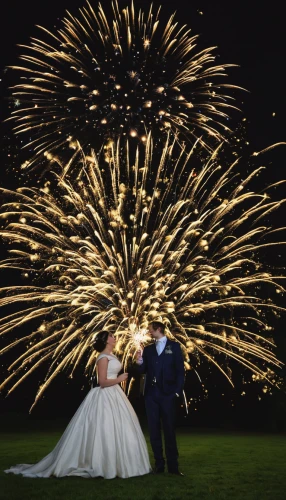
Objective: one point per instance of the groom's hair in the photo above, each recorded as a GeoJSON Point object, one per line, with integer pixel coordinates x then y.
{"type": "Point", "coordinates": [157, 325]}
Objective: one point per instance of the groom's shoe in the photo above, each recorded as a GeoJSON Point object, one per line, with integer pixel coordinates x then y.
{"type": "Point", "coordinates": [176, 472]}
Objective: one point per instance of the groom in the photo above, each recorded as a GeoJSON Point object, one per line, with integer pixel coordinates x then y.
{"type": "Point", "coordinates": [164, 367]}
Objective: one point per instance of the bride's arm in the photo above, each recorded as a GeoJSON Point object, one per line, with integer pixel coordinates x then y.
{"type": "Point", "coordinates": [103, 381]}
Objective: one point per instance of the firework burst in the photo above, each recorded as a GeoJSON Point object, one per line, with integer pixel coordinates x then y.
{"type": "Point", "coordinates": [124, 73]}
{"type": "Point", "coordinates": [142, 238]}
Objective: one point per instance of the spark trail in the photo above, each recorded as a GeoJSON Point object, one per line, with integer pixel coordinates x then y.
{"type": "Point", "coordinates": [136, 237]}
{"type": "Point", "coordinates": [120, 73]}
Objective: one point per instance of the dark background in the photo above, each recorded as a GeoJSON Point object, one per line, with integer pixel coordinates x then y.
{"type": "Point", "coordinates": [250, 34]}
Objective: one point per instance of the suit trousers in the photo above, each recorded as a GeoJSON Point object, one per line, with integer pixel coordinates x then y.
{"type": "Point", "coordinates": [161, 412]}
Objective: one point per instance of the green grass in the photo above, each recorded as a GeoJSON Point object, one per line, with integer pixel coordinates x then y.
{"type": "Point", "coordinates": [222, 466]}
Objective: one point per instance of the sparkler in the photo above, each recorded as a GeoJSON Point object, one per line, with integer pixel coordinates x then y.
{"type": "Point", "coordinates": [102, 76]}
{"type": "Point", "coordinates": [137, 238]}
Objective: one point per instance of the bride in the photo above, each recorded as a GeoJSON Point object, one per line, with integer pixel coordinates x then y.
{"type": "Point", "coordinates": [104, 437]}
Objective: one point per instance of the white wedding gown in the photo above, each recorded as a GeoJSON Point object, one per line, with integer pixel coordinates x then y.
{"type": "Point", "coordinates": [104, 438]}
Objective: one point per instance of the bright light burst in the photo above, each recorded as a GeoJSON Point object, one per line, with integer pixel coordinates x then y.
{"type": "Point", "coordinates": [134, 239]}
{"type": "Point", "coordinates": [102, 76]}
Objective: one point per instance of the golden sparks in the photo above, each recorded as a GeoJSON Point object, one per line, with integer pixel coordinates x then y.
{"type": "Point", "coordinates": [146, 237]}
{"type": "Point", "coordinates": [124, 70]}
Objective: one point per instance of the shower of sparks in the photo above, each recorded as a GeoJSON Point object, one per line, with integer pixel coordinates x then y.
{"type": "Point", "coordinates": [116, 248]}
{"type": "Point", "coordinates": [102, 76]}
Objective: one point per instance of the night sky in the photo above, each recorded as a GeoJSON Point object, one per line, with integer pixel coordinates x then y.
{"type": "Point", "coordinates": [250, 34]}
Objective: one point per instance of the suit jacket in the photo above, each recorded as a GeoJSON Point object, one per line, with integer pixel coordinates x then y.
{"type": "Point", "coordinates": [173, 367]}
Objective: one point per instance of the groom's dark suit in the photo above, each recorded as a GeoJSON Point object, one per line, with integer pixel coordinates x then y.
{"type": "Point", "coordinates": [164, 382]}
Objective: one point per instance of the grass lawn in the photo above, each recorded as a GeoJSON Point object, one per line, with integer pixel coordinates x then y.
{"type": "Point", "coordinates": [217, 465]}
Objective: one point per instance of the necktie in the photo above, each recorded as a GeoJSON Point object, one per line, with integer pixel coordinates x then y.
{"type": "Point", "coordinates": [159, 347]}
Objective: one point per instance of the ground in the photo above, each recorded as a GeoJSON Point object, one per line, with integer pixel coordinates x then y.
{"type": "Point", "coordinates": [216, 465]}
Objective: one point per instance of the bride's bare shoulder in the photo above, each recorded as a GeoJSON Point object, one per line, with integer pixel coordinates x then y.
{"type": "Point", "coordinates": [101, 356]}
{"type": "Point", "coordinates": [105, 355]}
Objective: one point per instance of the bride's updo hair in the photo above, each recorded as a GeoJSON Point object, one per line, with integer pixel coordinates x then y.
{"type": "Point", "coordinates": [100, 340]}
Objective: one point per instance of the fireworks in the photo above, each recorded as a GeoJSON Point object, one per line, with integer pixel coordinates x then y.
{"type": "Point", "coordinates": [134, 237]}
{"type": "Point", "coordinates": [102, 76]}
{"type": "Point", "coordinates": [139, 230]}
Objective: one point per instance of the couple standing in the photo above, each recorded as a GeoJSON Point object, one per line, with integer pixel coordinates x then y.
{"type": "Point", "coordinates": [104, 437]}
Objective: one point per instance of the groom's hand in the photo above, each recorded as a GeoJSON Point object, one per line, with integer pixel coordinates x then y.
{"type": "Point", "coordinates": [138, 357]}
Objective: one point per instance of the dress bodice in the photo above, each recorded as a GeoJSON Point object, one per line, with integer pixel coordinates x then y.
{"type": "Point", "coordinates": [114, 366]}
